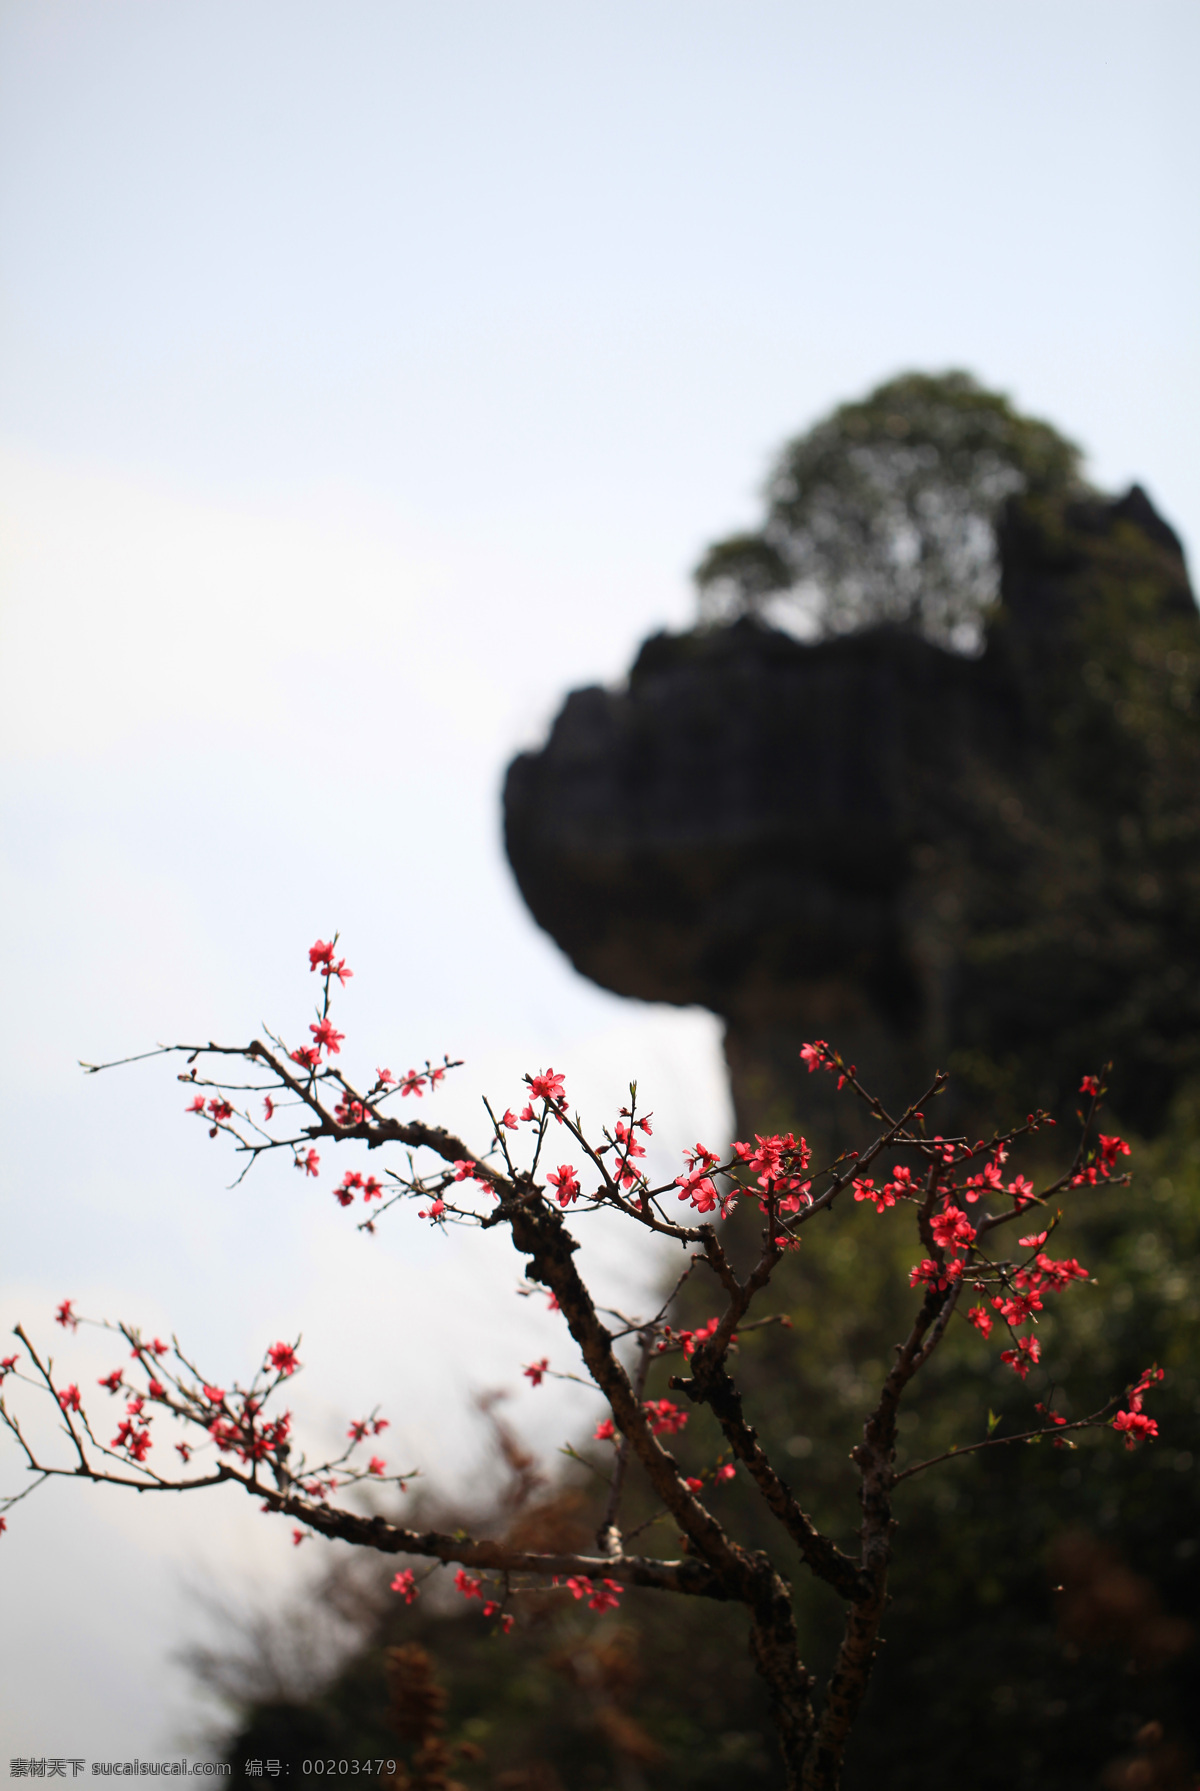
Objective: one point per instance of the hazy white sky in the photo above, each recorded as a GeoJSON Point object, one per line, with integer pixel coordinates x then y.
{"type": "Point", "coordinates": [370, 376]}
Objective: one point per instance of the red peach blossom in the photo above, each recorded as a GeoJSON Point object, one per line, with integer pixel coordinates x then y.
{"type": "Point", "coordinates": [547, 1087]}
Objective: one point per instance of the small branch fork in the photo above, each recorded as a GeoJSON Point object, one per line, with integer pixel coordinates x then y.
{"type": "Point", "coordinates": [937, 1179]}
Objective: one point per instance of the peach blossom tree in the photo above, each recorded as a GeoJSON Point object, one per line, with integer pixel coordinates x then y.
{"type": "Point", "coordinates": [982, 1237]}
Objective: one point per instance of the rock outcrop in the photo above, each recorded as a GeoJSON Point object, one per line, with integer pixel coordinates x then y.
{"type": "Point", "coordinates": [991, 863]}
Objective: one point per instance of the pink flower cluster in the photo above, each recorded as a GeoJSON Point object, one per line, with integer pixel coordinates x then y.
{"type": "Point", "coordinates": [320, 957]}
{"type": "Point", "coordinates": [820, 1056]}
{"type": "Point", "coordinates": [665, 1417]}
{"type": "Point", "coordinates": [1043, 1275]}
{"type": "Point", "coordinates": [602, 1595]}
{"type": "Point", "coordinates": [351, 1183]}
{"type": "Point", "coordinates": [1104, 1162]}
{"type": "Point", "coordinates": [777, 1165]}
{"type": "Point", "coordinates": [726, 1472]}
{"type": "Point", "coordinates": [691, 1340]}
{"type": "Point", "coordinates": [219, 1112]}
{"type": "Point", "coordinates": [565, 1183]}
{"type": "Point", "coordinates": [951, 1228]}
{"type": "Point", "coordinates": [696, 1183]}
{"type": "Point", "coordinates": [282, 1358]}
{"type": "Point", "coordinates": [1133, 1423]}
{"type": "Point", "coordinates": [954, 1234]}
{"type": "Point", "coordinates": [629, 1150]}
{"type": "Point", "coordinates": [413, 1083]}
{"type": "Point", "coordinates": [366, 1427]}
{"type": "Point", "coordinates": [470, 1587]}
{"type": "Point", "coordinates": [1021, 1359]}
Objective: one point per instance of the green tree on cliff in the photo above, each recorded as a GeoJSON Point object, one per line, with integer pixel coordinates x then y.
{"type": "Point", "coordinates": [885, 512]}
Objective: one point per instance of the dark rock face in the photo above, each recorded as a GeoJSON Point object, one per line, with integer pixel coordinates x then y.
{"type": "Point", "coordinates": [990, 863]}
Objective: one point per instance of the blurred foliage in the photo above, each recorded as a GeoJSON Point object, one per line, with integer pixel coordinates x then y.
{"type": "Point", "coordinates": [986, 1676]}
{"type": "Point", "coordinates": [1075, 874]}
{"type": "Point", "coordinates": [884, 512]}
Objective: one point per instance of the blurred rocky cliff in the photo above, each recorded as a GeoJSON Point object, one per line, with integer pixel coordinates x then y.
{"type": "Point", "coordinates": [989, 863]}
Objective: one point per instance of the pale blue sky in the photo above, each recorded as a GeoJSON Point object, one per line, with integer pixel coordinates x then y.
{"type": "Point", "coordinates": [369, 376]}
